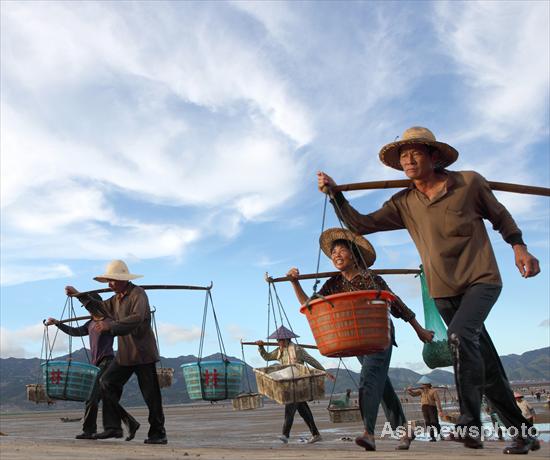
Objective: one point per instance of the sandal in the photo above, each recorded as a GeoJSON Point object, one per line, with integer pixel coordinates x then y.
{"type": "Point", "coordinates": [405, 443]}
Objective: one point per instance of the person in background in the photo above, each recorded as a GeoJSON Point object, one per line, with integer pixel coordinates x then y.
{"type": "Point", "coordinates": [102, 354]}
{"type": "Point", "coordinates": [343, 401]}
{"type": "Point", "coordinates": [495, 419]}
{"type": "Point", "coordinates": [130, 321]}
{"type": "Point", "coordinates": [430, 404]}
{"type": "Point", "coordinates": [526, 409]}
{"type": "Point", "coordinates": [352, 254]}
{"type": "Point", "coordinates": [291, 353]}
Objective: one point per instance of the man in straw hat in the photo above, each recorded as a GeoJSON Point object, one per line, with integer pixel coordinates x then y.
{"type": "Point", "coordinates": [352, 255]}
{"type": "Point", "coordinates": [290, 353]}
{"type": "Point", "coordinates": [137, 352]}
{"type": "Point", "coordinates": [443, 212]}
{"type": "Point", "coordinates": [430, 405]}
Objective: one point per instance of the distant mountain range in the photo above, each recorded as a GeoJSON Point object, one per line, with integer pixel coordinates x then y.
{"type": "Point", "coordinates": [16, 373]}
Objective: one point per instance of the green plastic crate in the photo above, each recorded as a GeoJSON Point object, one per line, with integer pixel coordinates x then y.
{"type": "Point", "coordinates": [213, 380]}
{"type": "Point", "coordinates": [69, 380]}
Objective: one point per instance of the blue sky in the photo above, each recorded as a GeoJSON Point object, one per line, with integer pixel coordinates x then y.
{"type": "Point", "coordinates": [184, 138]}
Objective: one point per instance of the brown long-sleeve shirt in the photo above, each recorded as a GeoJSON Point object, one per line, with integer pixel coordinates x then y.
{"type": "Point", "coordinates": [131, 322]}
{"type": "Point", "coordinates": [448, 230]}
{"type": "Point", "coordinates": [428, 396]}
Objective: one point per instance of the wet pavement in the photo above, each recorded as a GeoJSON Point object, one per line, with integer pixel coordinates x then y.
{"type": "Point", "coordinates": [217, 432]}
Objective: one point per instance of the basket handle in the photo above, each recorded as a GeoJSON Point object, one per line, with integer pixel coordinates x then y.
{"type": "Point", "coordinates": [315, 297]}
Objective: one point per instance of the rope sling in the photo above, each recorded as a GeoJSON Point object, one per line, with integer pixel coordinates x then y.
{"type": "Point", "coordinates": [343, 411]}
{"type": "Point", "coordinates": [165, 375]}
{"type": "Point", "coordinates": [204, 381]}
{"type": "Point", "coordinates": [275, 308]}
{"type": "Point", "coordinates": [70, 380]}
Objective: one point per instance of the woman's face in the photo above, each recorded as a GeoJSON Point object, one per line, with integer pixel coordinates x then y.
{"type": "Point", "coordinates": [283, 343]}
{"type": "Point", "coordinates": [342, 257]}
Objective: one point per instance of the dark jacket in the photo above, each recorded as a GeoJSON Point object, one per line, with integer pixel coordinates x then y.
{"type": "Point", "coordinates": [131, 322]}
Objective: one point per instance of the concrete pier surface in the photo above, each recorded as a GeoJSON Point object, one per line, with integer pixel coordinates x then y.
{"type": "Point", "coordinates": [215, 431]}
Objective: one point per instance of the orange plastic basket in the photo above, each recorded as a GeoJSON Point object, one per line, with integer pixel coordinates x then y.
{"type": "Point", "coordinates": [350, 323]}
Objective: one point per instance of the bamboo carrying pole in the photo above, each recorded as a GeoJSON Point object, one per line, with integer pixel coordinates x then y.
{"type": "Point", "coordinates": [78, 318]}
{"type": "Point", "coordinates": [402, 183]}
{"type": "Point", "coordinates": [381, 271]}
{"type": "Point", "coordinates": [156, 286]}
{"type": "Point", "coordinates": [313, 347]}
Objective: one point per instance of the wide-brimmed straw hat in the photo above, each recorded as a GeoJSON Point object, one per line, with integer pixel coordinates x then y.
{"type": "Point", "coordinates": [329, 236]}
{"type": "Point", "coordinates": [283, 333]}
{"type": "Point", "coordinates": [116, 270]}
{"type": "Point", "coordinates": [389, 154]}
{"type": "Point", "coordinates": [424, 381]}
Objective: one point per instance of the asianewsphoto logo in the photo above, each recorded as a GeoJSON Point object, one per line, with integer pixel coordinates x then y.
{"type": "Point", "coordinates": [486, 432]}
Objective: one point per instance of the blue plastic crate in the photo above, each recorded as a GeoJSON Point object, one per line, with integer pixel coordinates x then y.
{"type": "Point", "coordinates": [69, 380]}
{"type": "Point", "coordinates": [213, 380]}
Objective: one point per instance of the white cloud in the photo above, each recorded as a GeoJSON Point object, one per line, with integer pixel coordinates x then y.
{"type": "Point", "coordinates": [13, 274]}
{"type": "Point", "coordinates": [502, 50]}
{"type": "Point", "coordinates": [174, 334]}
{"type": "Point", "coordinates": [417, 366]}
{"type": "Point", "coordinates": [26, 342]}
{"type": "Point", "coordinates": [137, 115]}
{"type": "Point", "coordinates": [237, 332]}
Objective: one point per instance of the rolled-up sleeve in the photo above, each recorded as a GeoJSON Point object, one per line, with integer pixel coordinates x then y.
{"type": "Point", "coordinates": [384, 219]}
{"type": "Point", "coordinates": [304, 356]}
{"type": "Point", "coordinates": [74, 331]}
{"type": "Point", "coordinates": [271, 356]}
{"type": "Point", "coordinates": [496, 213]}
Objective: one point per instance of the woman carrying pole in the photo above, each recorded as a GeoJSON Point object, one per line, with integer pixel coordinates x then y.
{"type": "Point", "coordinates": [352, 255]}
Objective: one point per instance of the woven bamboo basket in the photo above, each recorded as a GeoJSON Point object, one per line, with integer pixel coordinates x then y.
{"type": "Point", "coordinates": [248, 401]}
{"type": "Point", "coordinates": [36, 392]}
{"type": "Point", "coordinates": [418, 423]}
{"type": "Point", "coordinates": [344, 414]}
{"type": "Point", "coordinates": [165, 376]}
{"type": "Point", "coordinates": [306, 384]}
{"type": "Point", "coordinates": [451, 417]}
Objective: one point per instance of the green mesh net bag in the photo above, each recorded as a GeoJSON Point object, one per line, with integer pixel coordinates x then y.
{"type": "Point", "coordinates": [437, 353]}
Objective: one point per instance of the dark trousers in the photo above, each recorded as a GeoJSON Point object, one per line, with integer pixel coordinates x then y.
{"type": "Point", "coordinates": [90, 413]}
{"type": "Point", "coordinates": [476, 363]}
{"type": "Point", "coordinates": [432, 420]}
{"type": "Point", "coordinates": [375, 387]}
{"type": "Point", "coordinates": [304, 410]}
{"type": "Point", "coordinates": [112, 383]}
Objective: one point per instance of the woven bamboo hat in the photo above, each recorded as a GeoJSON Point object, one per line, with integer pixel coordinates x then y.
{"type": "Point", "coordinates": [116, 270]}
{"type": "Point", "coordinates": [283, 333]}
{"type": "Point", "coordinates": [424, 381]}
{"type": "Point", "coordinates": [329, 236]}
{"type": "Point", "coordinates": [389, 154]}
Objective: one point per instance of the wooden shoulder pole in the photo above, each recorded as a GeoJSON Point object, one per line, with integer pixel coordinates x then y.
{"type": "Point", "coordinates": [402, 183]}
{"type": "Point", "coordinates": [156, 286]}
{"type": "Point", "coordinates": [379, 271]}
